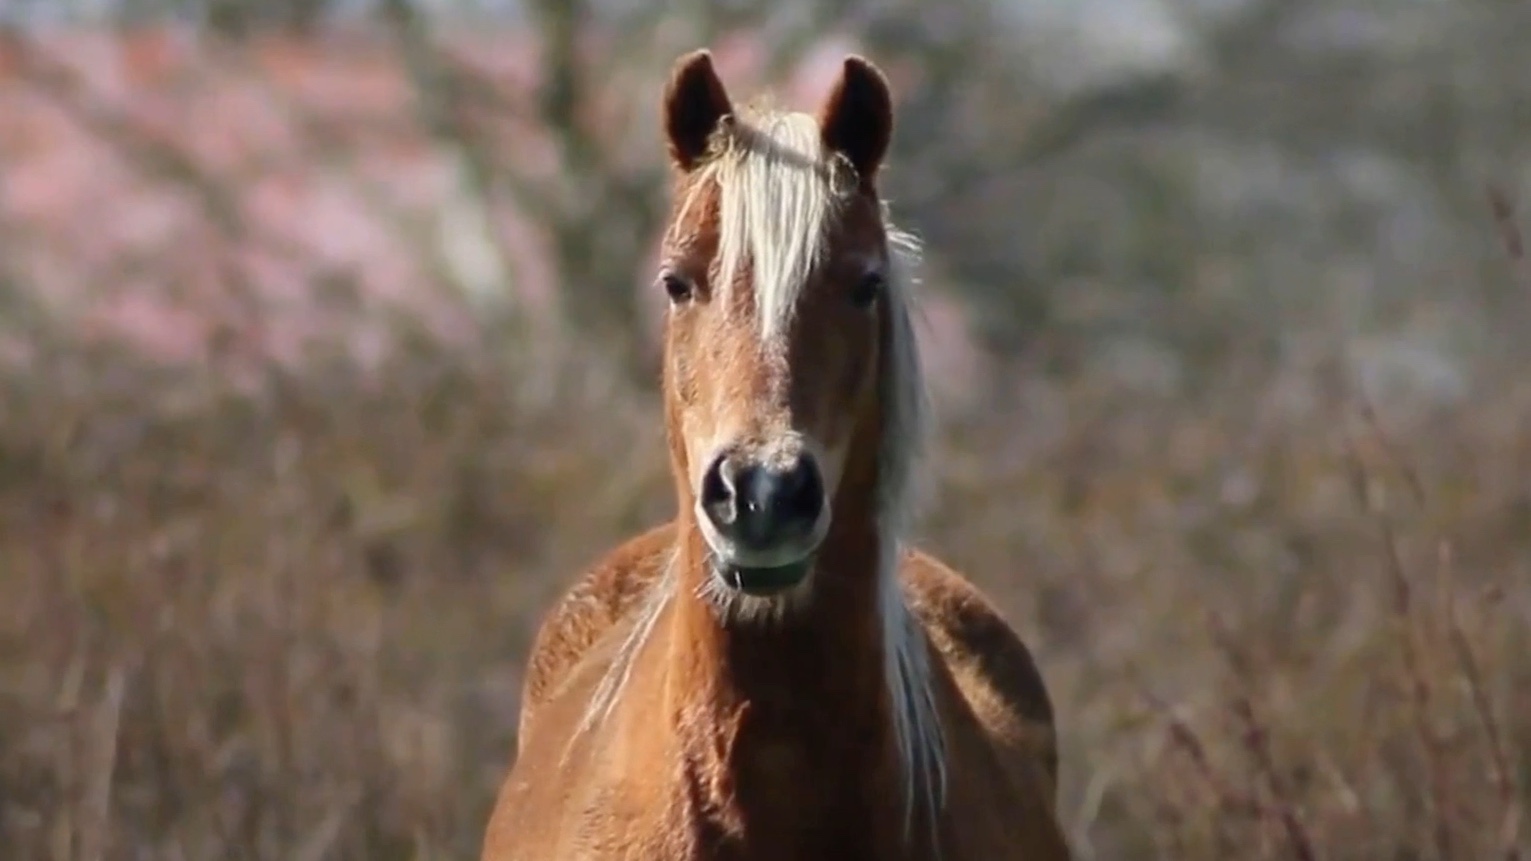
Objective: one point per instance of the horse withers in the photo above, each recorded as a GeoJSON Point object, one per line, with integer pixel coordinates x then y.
{"type": "Point", "coordinates": [772, 674]}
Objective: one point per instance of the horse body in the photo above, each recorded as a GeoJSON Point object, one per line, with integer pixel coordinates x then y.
{"type": "Point", "coordinates": [686, 805]}
{"type": "Point", "coordinates": [772, 675]}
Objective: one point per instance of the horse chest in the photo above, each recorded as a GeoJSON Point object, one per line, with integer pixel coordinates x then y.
{"type": "Point", "coordinates": [768, 809]}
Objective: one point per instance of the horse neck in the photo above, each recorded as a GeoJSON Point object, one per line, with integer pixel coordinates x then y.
{"type": "Point", "coordinates": [830, 641]}
{"type": "Point", "coordinates": [798, 703]}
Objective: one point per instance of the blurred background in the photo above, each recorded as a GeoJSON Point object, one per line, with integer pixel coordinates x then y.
{"type": "Point", "coordinates": [327, 358]}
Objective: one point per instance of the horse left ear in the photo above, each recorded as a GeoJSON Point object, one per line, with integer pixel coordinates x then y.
{"type": "Point", "coordinates": [857, 118]}
{"type": "Point", "coordinates": [695, 101]}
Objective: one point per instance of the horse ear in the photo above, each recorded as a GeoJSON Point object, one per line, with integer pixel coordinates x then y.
{"type": "Point", "coordinates": [694, 102]}
{"type": "Point", "coordinates": [857, 118]}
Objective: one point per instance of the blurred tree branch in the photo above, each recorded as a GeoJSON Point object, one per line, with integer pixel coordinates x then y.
{"type": "Point", "coordinates": [481, 270]}
{"type": "Point", "coordinates": [233, 19]}
{"type": "Point", "coordinates": [600, 215]}
{"type": "Point", "coordinates": [604, 218]}
{"type": "Point", "coordinates": [593, 256]}
{"type": "Point", "coordinates": [971, 80]}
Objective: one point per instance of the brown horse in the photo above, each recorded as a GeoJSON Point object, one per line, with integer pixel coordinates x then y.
{"type": "Point", "coordinates": [771, 675]}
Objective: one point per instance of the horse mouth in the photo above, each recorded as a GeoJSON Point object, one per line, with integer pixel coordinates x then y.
{"type": "Point", "coordinates": [764, 582]}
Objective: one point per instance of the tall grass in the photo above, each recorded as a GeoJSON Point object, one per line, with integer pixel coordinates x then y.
{"type": "Point", "coordinates": [291, 625]}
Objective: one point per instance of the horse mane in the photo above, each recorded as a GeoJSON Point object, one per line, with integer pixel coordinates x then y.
{"type": "Point", "coordinates": [780, 191]}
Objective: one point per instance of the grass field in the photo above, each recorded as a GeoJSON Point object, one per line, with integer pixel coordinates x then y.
{"type": "Point", "coordinates": [291, 626]}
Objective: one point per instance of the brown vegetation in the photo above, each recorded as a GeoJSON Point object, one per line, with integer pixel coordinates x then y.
{"type": "Point", "coordinates": [291, 626]}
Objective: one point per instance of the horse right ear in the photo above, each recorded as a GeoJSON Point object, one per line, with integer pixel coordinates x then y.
{"type": "Point", "coordinates": [694, 102]}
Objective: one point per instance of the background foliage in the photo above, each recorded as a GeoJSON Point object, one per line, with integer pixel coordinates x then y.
{"type": "Point", "coordinates": [327, 358]}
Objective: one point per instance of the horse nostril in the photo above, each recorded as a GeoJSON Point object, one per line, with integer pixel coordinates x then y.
{"type": "Point", "coordinates": [718, 492]}
{"type": "Point", "coordinates": [760, 506]}
{"type": "Point", "coordinates": [780, 501]}
{"type": "Point", "coordinates": [801, 493]}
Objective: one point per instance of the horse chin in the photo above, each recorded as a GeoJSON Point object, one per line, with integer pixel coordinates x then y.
{"type": "Point", "coordinates": [763, 582]}
{"type": "Point", "coordinates": [763, 573]}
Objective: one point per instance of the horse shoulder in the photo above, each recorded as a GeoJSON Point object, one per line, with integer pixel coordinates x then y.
{"type": "Point", "coordinates": [990, 664]}
{"type": "Point", "coordinates": [601, 598]}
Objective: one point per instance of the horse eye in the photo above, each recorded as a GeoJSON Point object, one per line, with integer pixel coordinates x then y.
{"type": "Point", "coordinates": [677, 287]}
{"type": "Point", "coordinates": [867, 289]}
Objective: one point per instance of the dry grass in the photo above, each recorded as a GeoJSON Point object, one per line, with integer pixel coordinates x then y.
{"type": "Point", "coordinates": [291, 627]}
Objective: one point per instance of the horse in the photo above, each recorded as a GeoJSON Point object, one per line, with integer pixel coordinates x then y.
{"type": "Point", "coordinates": [775, 673]}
